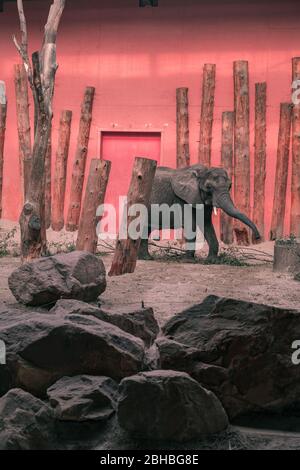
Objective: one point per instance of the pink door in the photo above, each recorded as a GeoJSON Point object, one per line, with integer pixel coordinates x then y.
{"type": "Point", "coordinates": [121, 148]}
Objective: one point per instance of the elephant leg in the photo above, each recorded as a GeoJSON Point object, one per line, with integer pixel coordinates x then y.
{"type": "Point", "coordinates": [210, 236]}
{"type": "Point", "coordinates": [190, 242]}
{"type": "Point", "coordinates": [143, 253]}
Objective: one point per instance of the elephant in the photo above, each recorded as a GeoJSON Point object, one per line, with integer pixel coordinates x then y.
{"type": "Point", "coordinates": [193, 185]}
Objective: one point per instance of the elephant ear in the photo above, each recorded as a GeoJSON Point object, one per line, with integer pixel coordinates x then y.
{"type": "Point", "coordinates": [185, 185]}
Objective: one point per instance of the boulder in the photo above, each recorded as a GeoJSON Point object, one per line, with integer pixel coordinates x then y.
{"type": "Point", "coordinates": [168, 405]}
{"type": "Point", "coordinates": [240, 350]}
{"type": "Point", "coordinates": [140, 323]}
{"type": "Point", "coordinates": [44, 348]}
{"type": "Point", "coordinates": [77, 275]}
{"type": "Point", "coordinates": [83, 398]}
{"type": "Point", "coordinates": [26, 422]}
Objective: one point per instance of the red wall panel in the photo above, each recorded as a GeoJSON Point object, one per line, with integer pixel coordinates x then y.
{"type": "Point", "coordinates": [121, 148]}
{"type": "Point", "coordinates": [136, 57]}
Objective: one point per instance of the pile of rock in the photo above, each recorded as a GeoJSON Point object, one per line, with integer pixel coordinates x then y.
{"type": "Point", "coordinates": [77, 363]}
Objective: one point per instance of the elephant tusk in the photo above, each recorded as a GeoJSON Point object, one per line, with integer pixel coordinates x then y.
{"type": "Point", "coordinates": [215, 211]}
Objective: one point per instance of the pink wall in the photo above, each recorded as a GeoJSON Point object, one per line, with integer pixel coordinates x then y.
{"type": "Point", "coordinates": [136, 57]}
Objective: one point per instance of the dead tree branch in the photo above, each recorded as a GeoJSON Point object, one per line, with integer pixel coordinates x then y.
{"type": "Point", "coordinates": [41, 76]}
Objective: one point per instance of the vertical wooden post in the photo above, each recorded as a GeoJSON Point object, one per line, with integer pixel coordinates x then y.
{"type": "Point", "coordinates": [3, 113]}
{"type": "Point", "coordinates": [282, 166]}
{"type": "Point", "coordinates": [260, 158]}
{"type": "Point", "coordinates": [94, 197]}
{"type": "Point", "coordinates": [80, 160]}
{"type": "Point", "coordinates": [48, 160]}
{"type": "Point", "coordinates": [226, 222]}
{"type": "Point", "coordinates": [139, 193]}
{"type": "Point", "coordinates": [60, 175]}
{"type": "Point", "coordinates": [295, 185]}
{"type": "Point", "coordinates": [241, 148]}
{"type": "Point", "coordinates": [207, 113]}
{"type": "Point", "coordinates": [23, 123]}
{"type": "Point", "coordinates": [182, 120]}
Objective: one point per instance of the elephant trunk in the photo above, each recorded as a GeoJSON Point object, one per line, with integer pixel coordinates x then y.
{"type": "Point", "coordinates": [224, 201]}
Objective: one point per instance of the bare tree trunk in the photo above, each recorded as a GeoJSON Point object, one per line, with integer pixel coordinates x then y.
{"type": "Point", "coordinates": [32, 219]}
{"type": "Point", "coordinates": [241, 148]}
{"type": "Point", "coordinates": [60, 176]}
{"type": "Point", "coordinates": [282, 166]}
{"type": "Point", "coordinates": [260, 158]}
{"type": "Point", "coordinates": [295, 186]}
{"type": "Point", "coordinates": [3, 113]}
{"type": "Point", "coordinates": [227, 162]}
{"type": "Point", "coordinates": [94, 197]}
{"type": "Point", "coordinates": [48, 172]}
{"type": "Point", "coordinates": [80, 160]}
{"type": "Point", "coordinates": [207, 113]}
{"type": "Point", "coordinates": [182, 113]}
{"type": "Point", "coordinates": [23, 122]}
{"type": "Point", "coordinates": [41, 75]}
{"type": "Point", "coordinates": [140, 188]}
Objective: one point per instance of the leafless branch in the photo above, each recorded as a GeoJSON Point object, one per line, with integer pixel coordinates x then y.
{"type": "Point", "coordinates": [23, 47]}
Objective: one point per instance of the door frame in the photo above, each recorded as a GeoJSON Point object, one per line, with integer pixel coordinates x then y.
{"type": "Point", "coordinates": [101, 131]}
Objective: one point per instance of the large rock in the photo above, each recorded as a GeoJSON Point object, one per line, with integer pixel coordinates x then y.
{"type": "Point", "coordinates": [77, 275]}
{"type": "Point", "coordinates": [44, 348]}
{"type": "Point", "coordinates": [168, 405]}
{"type": "Point", "coordinates": [26, 422]}
{"type": "Point", "coordinates": [240, 350]}
{"type": "Point", "coordinates": [83, 398]}
{"type": "Point", "coordinates": [140, 323]}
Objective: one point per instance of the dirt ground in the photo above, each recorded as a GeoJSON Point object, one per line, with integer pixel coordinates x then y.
{"type": "Point", "coordinates": [172, 286]}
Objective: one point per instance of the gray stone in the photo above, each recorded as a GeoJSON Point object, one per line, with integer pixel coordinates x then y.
{"type": "Point", "coordinates": [242, 351]}
{"type": "Point", "coordinates": [44, 348]}
{"type": "Point", "coordinates": [168, 405]}
{"type": "Point", "coordinates": [83, 398]}
{"type": "Point", "coordinates": [140, 323]}
{"type": "Point", "coordinates": [26, 422]}
{"type": "Point", "coordinates": [77, 275]}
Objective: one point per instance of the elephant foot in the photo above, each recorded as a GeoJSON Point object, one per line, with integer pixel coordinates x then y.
{"type": "Point", "coordinates": [188, 256]}
{"type": "Point", "coordinates": [211, 259]}
{"type": "Point", "coordinates": [145, 256]}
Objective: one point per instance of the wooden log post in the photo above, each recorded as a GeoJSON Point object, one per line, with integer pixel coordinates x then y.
{"type": "Point", "coordinates": [182, 123]}
{"type": "Point", "coordinates": [60, 175]}
{"type": "Point", "coordinates": [23, 123]}
{"type": "Point", "coordinates": [282, 165]}
{"type": "Point", "coordinates": [287, 255]}
{"type": "Point", "coordinates": [260, 158]}
{"type": "Point", "coordinates": [3, 113]}
{"type": "Point", "coordinates": [80, 160]}
{"type": "Point", "coordinates": [295, 183]}
{"type": "Point", "coordinates": [48, 172]}
{"type": "Point", "coordinates": [207, 114]}
{"type": "Point", "coordinates": [241, 148]}
{"type": "Point", "coordinates": [127, 248]}
{"type": "Point", "coordinates": [94, 196]}
{"type": "Point", "coordinates": [226, 222]}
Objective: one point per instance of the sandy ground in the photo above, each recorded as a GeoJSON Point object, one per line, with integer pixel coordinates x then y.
{"type": "Point", "coordinates": [171, 286]}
